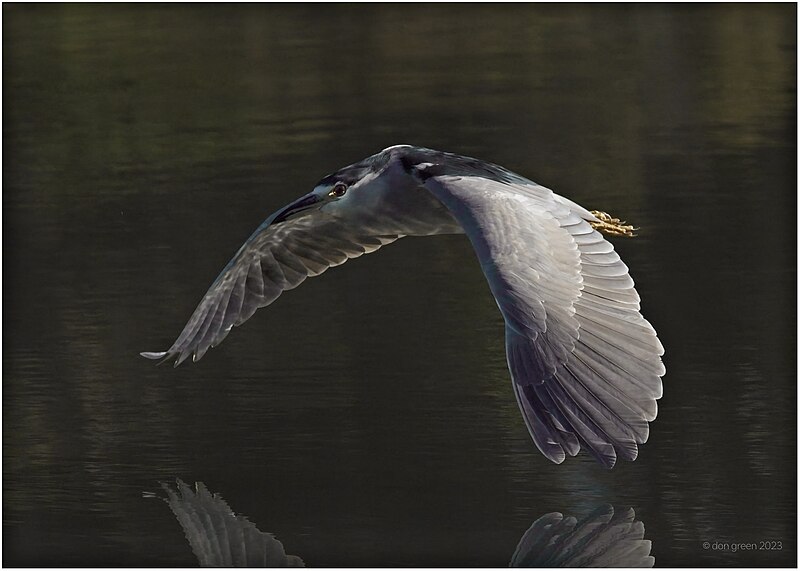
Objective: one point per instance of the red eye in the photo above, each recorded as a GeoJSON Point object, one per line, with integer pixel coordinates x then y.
{"type": "Point", "coordinates": [339, 189]}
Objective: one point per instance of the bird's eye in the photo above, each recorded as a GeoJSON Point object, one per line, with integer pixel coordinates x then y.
{"type": "Point", "coordinates": [338, 190]}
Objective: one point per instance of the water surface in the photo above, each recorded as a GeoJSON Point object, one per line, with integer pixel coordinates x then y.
{"type": "Point", "coordinates": [367, 418]}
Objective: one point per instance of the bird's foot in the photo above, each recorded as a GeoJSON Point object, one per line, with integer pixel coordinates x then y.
{"type": "Point", "coordinates": [607, 224]}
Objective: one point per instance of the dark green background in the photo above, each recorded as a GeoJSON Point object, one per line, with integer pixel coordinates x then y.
{"type": "Point", "coordinates": [368, 418]}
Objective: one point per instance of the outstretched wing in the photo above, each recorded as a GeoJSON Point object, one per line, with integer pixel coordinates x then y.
{"type": "Point", "coordinates": [585, 364]}
{"type": "Point", "coordinates": [276, 258]}
{"type": "Point", "coordinates": [604, 538]}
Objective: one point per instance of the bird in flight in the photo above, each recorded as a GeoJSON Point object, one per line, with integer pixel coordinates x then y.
{"type": "Point", "coordinates": [585, 365]}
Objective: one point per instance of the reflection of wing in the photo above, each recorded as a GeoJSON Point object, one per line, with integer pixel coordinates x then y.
{"type": "Point", "coordinates": [276, 258]}
{"type": "Point", "coordinates": [603, 539]}
{"type": "Point", "coordinates": [585, 363]}
{"type": "Point", "coordinates": [218, 537]}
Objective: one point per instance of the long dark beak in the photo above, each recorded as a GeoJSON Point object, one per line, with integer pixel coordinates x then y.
{"type": "Point", "coordinates": [296, 207]}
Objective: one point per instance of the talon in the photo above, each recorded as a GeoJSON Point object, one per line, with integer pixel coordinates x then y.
{"type": "Point", "coordinates": [611, 226]}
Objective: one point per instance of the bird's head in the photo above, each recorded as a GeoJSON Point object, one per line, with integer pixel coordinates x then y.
{"type": "Point", "coordinates": [327, 194]}
{"type": "Point", "coordinates": [354, 186]}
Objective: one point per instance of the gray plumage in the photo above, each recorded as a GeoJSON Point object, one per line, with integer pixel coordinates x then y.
{"type": "Point", "coordinates": [585, 364]}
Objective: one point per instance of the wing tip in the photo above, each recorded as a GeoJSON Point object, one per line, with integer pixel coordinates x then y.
{"type": "Point", "coordinates": [153, 355]}
{"type": "Point", "coordinates": [164, 356]}
{"type": "Point", "coordinates": [558, 458]}
{"type": "Point", "coordinates": [160, 356]}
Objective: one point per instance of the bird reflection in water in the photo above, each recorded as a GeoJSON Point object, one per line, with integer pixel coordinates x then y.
{"type": "Point", "coordinates": [605, 538]}
{"type": "Point", "coordinates": [219, 537]}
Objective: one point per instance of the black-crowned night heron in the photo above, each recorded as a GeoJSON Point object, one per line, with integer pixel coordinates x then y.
{"type": "Point", "coordinates": [586, 366]}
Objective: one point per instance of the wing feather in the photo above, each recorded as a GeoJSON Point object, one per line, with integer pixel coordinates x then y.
{"type": "Point", "coordinates": [585, 364]}
{"type": "Point", "coordinates": [276, 258]}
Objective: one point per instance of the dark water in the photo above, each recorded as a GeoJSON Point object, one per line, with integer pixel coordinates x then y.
{"type": "Point", "coordinates": [368, 418]}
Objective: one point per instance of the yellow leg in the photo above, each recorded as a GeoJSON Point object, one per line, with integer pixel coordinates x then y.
{"type": "Point", "coordinates": [607, 224]}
